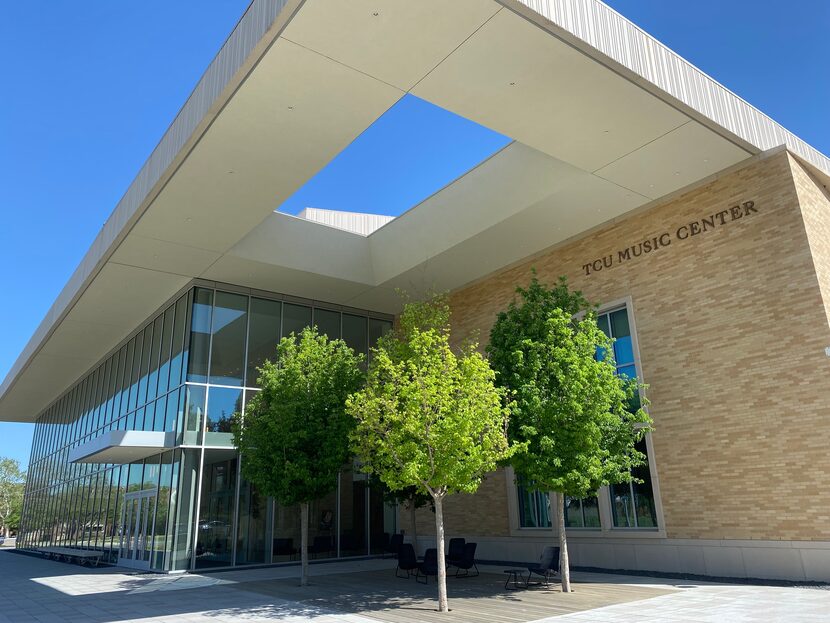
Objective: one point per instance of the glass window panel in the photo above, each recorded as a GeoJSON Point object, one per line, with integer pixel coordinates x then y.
{"type": "Point", "coordinates": [200, 335]}
{"type": "Point", "coordinates": [622, 506]}
{"type": "Point", "coordinates": [573, 512]}
{"type": "Point", "coordinates": [377, 329]}
{"type": "Point", "coordinates": [162, 541]}
{"type": "Point", "coordinates": [534, 507]}
{"type": "Point", "coordinates": [223, 402]}
{"type": "Point", "coordinates": [146, 351]}
{"type": "Point", "coordinates": [230, 326]}
{"type": "Point", "coordinates": [295, 318]}
{"type": "Point", "coordinates": [160, 418]}
{"type": "Point", "coordinates": [149, 413]}
{"type": "Point", "coordinates": [253, 542]}
{"type": "Point", "coordinates": [214, 542]}
{"type": "Point", "coordinates": [619, 323]}
{"type": "Point", "coordinates": [164, 354]}
{"type": "Point", "coordinates": [172, 411]}
{"type": "Point", "coordinates": [185, 477]}
{"type": "Point", "coordinates": [627, 371]}
{"type": "Point", "coordinates": [623, 351]}
{"type": "Point", "coordinates": [194, 413]}
{"type": "Point", "coordinates": [179, 331]}
{"type": "Point", "coordinates": [645, 510]}
{"type": "Point", "coordinates": [155, 353]}
{"type": "Point", "coordinates": [590, 512]}
{"type": "Point", "coordinates": [353, 519]}
{"type": "Point", "coordinates": [602, 323]}
{"type": "Point", "coordinates": [263, 335]}
{"type": "Point", "coordinates": [120, 403]}
{"type": "Point", "coordinates": [137, 341]}
{"type": "Point", "coordinates": [327, 323]}
{"type": "Point", "coordinates": [356, 332]}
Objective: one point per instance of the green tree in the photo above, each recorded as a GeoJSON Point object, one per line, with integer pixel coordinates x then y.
{"type": "Point", "coordinates": [12, 486]}
{"type": "Point", "coordinates": [429, 418]}
{"type": "Point", "coordinates": [570, 409]}
{"type": "Point", "coordinates": [294, 437]}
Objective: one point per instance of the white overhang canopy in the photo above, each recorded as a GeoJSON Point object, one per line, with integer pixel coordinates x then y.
{"type": "Point", "coordinates": [604, 120]}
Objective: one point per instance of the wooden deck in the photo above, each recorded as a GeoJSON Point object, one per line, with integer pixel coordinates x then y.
{"type": "Point", "coordinates": [382, 596]}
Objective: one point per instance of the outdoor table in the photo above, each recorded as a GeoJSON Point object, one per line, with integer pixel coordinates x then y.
{"type": "Point", "coordinates": [515, 576]}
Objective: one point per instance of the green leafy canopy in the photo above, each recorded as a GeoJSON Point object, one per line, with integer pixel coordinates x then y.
{"type": "Point", "coordinates": [294, 435]}
{"type": "Point", "coordinates": [429, 418]}
{"type": "Point", "coordinates": [569, 407]}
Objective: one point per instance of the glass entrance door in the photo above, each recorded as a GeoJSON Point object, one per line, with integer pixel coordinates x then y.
{"type": "Point", "coordinates": [137, 525]}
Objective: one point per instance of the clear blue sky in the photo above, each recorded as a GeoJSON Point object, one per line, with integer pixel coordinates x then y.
{"type": "Point", "coordinates": [89, 88]}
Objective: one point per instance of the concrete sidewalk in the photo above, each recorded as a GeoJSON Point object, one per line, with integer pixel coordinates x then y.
{"type": "Point", "coordinates": [37, 590]}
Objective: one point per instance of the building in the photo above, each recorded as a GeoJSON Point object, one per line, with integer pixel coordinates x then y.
{"type": "Point", "coordinates": [700, 225]}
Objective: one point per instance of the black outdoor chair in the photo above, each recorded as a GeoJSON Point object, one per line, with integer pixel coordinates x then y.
{"type": "Point", "coordinates": [407, 561]}
{"type": "Point", "coordinates": [547, 566]}
{"type": "Point", "coordinates": [467, 562]}
{"type": "Point", "coordinates": [429, 566]}
{"type": "Point", "coordinates": [284, 547]}
{"type": "Point", "coordinates": [455, 552]}
{"type": "Point", "coordinates": [394, 545]}
{"type": "Point", "coordinates": [322, 544]}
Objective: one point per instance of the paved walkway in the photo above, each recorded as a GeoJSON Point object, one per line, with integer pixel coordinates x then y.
{"type": "Point", "coordinates": [37, 590]}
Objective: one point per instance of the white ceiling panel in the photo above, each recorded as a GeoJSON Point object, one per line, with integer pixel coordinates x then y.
{"type": "Point", "coordinates": [682, 157]}
{"type": "Point", "coordinates": [519, 80]}
{"type": "Point", "coordinates": [298, 110]}
{"type": "Point", "coordinates": [304, 245]}
{"type": "Point", "coordinates": [162, 255]}
{"type": "Point", "coordinates": [397, 41]}
{"type": "Point", "coordinates": [283, 280]}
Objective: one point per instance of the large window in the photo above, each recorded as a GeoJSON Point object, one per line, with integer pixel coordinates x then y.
{"type": "Point", "coordinates": [188, 370]}
{"type": "Point", "coordinates": [632, 504]}
{"type": "Point", "coordinates": [582, 513]}
{"type": "Point", "coordinates": [534, 506]}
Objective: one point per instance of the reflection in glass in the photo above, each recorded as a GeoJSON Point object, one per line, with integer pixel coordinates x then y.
{"type": "Point", "coordinates": [200, 335]}
{"type": "Point", "coordinates": [253, 541]}
{"type": "Point", "coordinates": [263, 335]}
{"type": "Point", "coordinates": [230, 325]}
{"type": "Point", "coordinates": [327, 323]}
{"type": "Point", "coordinates": [353, 520]}
{"type": "Point", "coordinates": [295, 318]}
{"type": "Point", "coordinates": [139, 387]}
{"type": "Point", "coordinates": [223, 402]}
{"type": "Point", "coordinates": [194, 411]}
{"type": "Point", "coordinates": [216, 509]}
{"type": "Point", "coordinates": [356, 332]}
{"type": "Point", "coordinates": [534, 506]}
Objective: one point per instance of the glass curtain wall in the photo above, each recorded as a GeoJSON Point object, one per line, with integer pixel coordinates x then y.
{"type": "Point", "coordinates": [139, 386]}
{"type": "Point", "coordinates": [231, 335]}
{"type": "Point", "coordinates": [186, 372]}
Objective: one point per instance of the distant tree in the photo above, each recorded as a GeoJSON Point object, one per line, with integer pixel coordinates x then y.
{"type": "Point", "coordinates": [429, 418]}
{"type": "Point", "coordinates": [294, 437]}
{"type": "Point", "coordinates": [12, 486]}
{"type": "Point", "coordinates": [570, 409]}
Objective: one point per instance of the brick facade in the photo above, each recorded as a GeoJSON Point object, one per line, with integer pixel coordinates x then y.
{"type": "Point", "coordinates": [732, 328]}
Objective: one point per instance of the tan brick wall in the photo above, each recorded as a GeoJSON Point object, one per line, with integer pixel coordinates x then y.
{"type": "Point", "coordinates": [731, 328]}
{"type": "Point", "coordinates": [481, 514]}
{"type": "Point", "coordinates": [815, 207]}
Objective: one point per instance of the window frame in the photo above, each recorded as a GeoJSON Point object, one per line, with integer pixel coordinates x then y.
{"type": "Point", "coordinates": [607, 528]}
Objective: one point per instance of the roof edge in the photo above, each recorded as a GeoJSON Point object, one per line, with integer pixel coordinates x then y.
{"type": "Point", "coordinates": [255, 32]}
{"type": "Point", "coordinates": [603, 34]}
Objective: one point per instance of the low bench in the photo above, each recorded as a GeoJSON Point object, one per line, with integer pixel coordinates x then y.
{"type": "Point", "coordinates": [89, 557]}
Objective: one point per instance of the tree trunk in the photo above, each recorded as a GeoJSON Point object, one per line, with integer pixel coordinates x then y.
{"type": "Point", "coordinates": [442, 563]}
{"type": "Point", "coordinates": [413, 526]}
{"type": "Point", "coordinates": [564, 570]}
{"type": "Point", "coordinates": [304, 543]}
